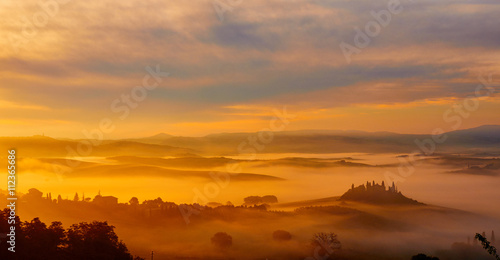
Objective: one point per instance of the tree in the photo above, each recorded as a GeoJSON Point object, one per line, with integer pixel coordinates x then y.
{"type": "Point", "coordinates": [5, 229]}
{"type": "Point", "coordinates": [281, 235]}
{"type": "Point", "coordinates": [96, 240]}
{"type": "Point", "coordinates": [134, 201]}
{"type": "Point", "coordinates": [423, 257]}
{"type": "Point", "coordinates": [82, 241]}
{"type": "Point", "coordinates": [56, 235]}
{"type": "Point", "coordinates": [325, 243]}
{"type": "Point", "coordinates": [34, 195]}
{"type": "Point", "coordinates": [486, 245]}
{"type": "Point", "coordinates": [40, 241]}
{"type": "Point", "coordinates": [222, 240]}
{"type": "Point", "coordinates": [253, 200]}
{"type": "Point", "coordinates": [76, 198]}
{"type": "Point", "coordinates": [269, 199]}
{"type": "Point", "coordinates": [151, 204]}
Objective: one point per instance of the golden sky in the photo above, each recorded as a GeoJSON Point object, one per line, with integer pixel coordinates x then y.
{"type": "Point", "coordinates": [65, 65]}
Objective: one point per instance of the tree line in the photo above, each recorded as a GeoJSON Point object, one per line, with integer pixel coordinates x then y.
{"type": "Point", "coordinates": [83, 241]}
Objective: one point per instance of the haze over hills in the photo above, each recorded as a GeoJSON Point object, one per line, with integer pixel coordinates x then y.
{"type": "Point", "coordinates": [181, 171]}
{"type": "Point", "coordinates": [155, 139]}
{"type": "Point", "coordinates": [420, 225]}
{"type": "Point", "coordinates": [485, 137]}
{"type": "Point", "coordinates": [331, 141]}
{"type": "Point", "coordinates": [43, 146]}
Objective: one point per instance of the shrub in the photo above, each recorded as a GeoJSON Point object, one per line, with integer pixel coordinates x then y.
{"type": "Point", "coordinates": [222, 240]}
{"type": "Point", "coordinates": [281, 235]}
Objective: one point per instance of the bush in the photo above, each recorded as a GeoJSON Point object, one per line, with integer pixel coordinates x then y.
{"type": "Point", "coordinates": [222, 240]}
{"type": "Point", "coordinates": [282, 235]}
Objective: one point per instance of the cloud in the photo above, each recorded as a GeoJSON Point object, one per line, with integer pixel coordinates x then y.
{"type": "Point", "coordinates": [264, 54]}
{"type": "Point", "coordinates": [4, 104]}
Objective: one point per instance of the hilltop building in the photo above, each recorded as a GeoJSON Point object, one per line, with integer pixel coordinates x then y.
{"type": "Point", "coordinates": [377, 194]}
{"type": "Point", "coordinates": [105, 201]}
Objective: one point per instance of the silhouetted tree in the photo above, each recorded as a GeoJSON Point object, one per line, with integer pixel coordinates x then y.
{"type": "Point", "coordinates": [5, 229]}
{"type": "Point", "coordinates": [134, 201]}
{"type": "Point", "coordinates": [41, 242]}
{"type": "Point", "coordinates": [222, 240]}
{"type": "Point", "coordinates": [156, 203]}
{"type": "Point", "coordinates": [76, 198]}
{"type": "Point", "coordinates": [486, 245]}
{"type": "Point", "coordinates": [96, 240]}
{"type": "Point", "coordinates": [36, 241]}
{"type": "Point", "coordinates": [326, 242]}
{"type": "Point", "coordinates": [253, 200]}
{"type": "Point", "coordinates": [269, 199]}
{"type": "Point", "coordinates": [33, 195]}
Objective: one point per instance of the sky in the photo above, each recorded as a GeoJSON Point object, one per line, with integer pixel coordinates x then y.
{"type": "Point", "coordinates": [198, 67]}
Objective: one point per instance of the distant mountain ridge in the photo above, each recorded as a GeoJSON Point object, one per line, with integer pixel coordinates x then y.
{"type": "Point", "coordinates": [42, 146]}
{"type": "Point", "coordinates": [491, 130]}
{"type": "Point", "coordinates": [335, 141]}
{"type": "Point", "coordinates": [484, 138]}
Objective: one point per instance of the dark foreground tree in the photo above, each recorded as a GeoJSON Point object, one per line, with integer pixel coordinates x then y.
{"type": "Point", "coordinates": [222, 240]}
{"type": "Point", "coordinates": [83, 241]}
{"type": "Point", "coordinates": [96, 240]}
{"type": "Point", "coordinates": [38, 240]}
{"type": "Point", "coordinates": [486, 245]}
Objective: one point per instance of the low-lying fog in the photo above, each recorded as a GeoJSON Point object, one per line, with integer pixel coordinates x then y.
{"type": "Point", "coordinates": [366, 232]}
{"type": "Point", "coordinates": [430, 183]}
